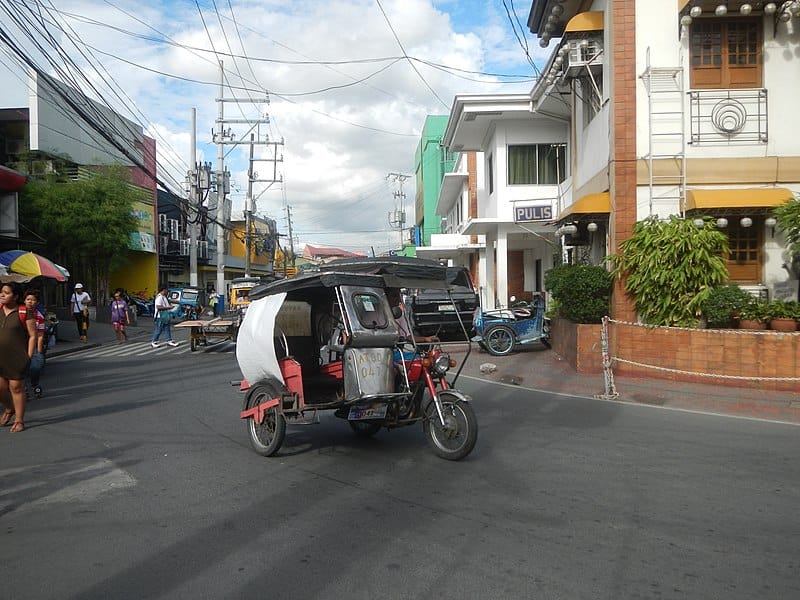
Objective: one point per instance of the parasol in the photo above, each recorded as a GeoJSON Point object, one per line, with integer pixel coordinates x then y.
{"type": "Point", "coordinates": [29, 263]}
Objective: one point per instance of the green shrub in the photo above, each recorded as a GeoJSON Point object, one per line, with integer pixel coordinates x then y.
{"type": "Point", "coordinates": [581, 292]}
{"type": "Point", "coordinates": [669, 268]}
{"type": "Point", "coordinates": [723, 304]}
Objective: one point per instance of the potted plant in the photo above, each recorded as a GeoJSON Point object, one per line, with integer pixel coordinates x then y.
{"type": "Point", "coordinates": [783, 315]}
{"type": "Point", "coordinates": [723, 304]}
{"type": "Point", "coordinates": [754, 315]}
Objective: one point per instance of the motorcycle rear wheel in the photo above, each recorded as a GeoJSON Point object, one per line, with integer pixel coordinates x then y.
{"type": "Point", "coordinates": [267, 437]}
{"type": "Point", "coordinates": [499, 340]}
{"type": "Point", "coordinates": [458, 437]}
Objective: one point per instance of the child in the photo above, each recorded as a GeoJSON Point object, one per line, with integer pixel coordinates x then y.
{"type": "Point", "coordinates": [119, 317]}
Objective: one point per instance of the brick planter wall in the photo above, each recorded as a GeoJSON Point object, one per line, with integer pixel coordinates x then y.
{"type": "Point", "coordinates": [689, 355]}
{"type": "Point", "coordinates": [578, 344]}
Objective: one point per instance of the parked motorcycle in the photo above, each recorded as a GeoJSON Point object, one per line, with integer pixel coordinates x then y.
{"type": "Point", "coordinates": [500, 331]}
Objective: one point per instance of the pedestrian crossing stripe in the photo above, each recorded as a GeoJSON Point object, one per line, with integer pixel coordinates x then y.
{"type": "Point", "coordinates": [142, 348]}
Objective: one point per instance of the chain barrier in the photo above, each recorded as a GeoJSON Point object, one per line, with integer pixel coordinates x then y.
{"type": "Point", "coordinates": [608, 375]}
{"type": "Point", "coordinates": [613, 359]}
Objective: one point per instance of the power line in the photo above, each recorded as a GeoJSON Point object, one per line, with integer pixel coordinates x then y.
{"type": "Point", "coordinates": [405, 55]}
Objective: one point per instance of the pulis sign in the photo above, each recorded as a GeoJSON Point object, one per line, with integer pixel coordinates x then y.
{"type": "Point", "coordinates": [524, 214]}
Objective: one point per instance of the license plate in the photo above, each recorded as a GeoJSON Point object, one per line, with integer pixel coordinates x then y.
{"type": "Point", "coordinates": [369, 411]}
{"type": "Point", "coordinates": [446, 308]}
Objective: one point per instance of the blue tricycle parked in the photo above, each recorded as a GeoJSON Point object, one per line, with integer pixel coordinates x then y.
{"type": "Point", "coordinates": [500, 331]}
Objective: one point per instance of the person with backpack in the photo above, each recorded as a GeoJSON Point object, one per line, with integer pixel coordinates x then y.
{"type": "Point", "coordinates": [80, 302]}
{"type": "Point", "coordinates": [163, 319]}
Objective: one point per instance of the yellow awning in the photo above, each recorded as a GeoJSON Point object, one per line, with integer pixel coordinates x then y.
{"type": "Point", "coordinates": [747, 198]}
{"type": "Point", "coordinates": [585, 21]}
{"type": "Point", "coordinates": [591, 204]}
{"type": "Point", "coordinates": [682, 4]}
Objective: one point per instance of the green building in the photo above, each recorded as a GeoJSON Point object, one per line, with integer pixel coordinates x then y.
{"type": "Point", "coordinates": [431, 162]}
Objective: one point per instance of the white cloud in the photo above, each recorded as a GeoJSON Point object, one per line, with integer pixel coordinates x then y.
{"type": "Point", "coordinates": [339, 144]}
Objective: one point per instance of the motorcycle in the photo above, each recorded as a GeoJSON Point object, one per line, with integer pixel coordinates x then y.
{"type": "Point", "coordinates": [500, 331]}
{"type": "Point", "coordinates": [329, 340]}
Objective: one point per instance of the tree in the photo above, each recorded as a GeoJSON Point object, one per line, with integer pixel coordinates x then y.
{"type": "Point", "coordinates": [86, 223]}
{"type": "Point", "coordinates": [788, 217]}
{"type": "Point", "coordinates": [670, 268]}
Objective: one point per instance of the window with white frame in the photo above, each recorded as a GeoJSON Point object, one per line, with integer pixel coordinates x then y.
{"type": "Point", "coordinates": [537, 164]}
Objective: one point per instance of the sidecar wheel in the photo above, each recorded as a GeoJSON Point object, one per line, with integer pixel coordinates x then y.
{"type": "Point", "coordinates": [499, 340]}
{"type": "Point", "coordinates": [267, 437]}
{"type": "Point", "coordinates": [365, 428]}
{"type": "Point", "coordinates": [457, 438]}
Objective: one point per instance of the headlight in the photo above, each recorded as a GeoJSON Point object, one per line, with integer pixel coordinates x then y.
{"type": "Point", "coordinates": [441, 364]}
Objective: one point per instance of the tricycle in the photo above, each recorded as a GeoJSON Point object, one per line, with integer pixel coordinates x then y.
{"type": "Point", "coordinates": [500, 331]}
{"type": "Point", "coordinates": [329, 341]}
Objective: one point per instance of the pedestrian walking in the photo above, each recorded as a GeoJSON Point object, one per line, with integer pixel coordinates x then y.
{"type": "Point", "coordinates": [213, 299]}
{"type": "Point", "coordinates": [119, 317]}
{"type": "Point", "coordinates": [32, 305]}
{"type": "Point", "coordinates": [80, 302]}
{"type": "Point", "coordinates": [162, 319]}
{"type": "Point", "coordinates": [17, 343]}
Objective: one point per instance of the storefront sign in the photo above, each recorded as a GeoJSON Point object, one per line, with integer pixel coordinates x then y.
{"type": "Point", "coordinates": [526, 214]}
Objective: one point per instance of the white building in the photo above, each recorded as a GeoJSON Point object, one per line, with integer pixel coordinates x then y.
{"type": "Point", "coordinates": [521, 162]}
{"type": "Point", "coordinates": [682, 107]}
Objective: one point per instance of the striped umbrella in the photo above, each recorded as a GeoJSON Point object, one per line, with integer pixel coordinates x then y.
{"type": "Point", "coordinates": [34, 265]}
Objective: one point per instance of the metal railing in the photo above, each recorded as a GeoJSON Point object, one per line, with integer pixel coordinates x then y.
{"type": "Point", "coordinates": [728, 116]}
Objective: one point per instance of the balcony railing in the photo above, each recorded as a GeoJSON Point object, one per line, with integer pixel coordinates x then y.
{"type": "Point", "coordinates": [728, 116]}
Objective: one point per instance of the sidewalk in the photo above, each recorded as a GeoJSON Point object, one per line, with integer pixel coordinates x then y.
{"type": "Point", "coordinates": [541, 369]}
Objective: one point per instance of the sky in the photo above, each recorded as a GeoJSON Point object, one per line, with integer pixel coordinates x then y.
{"type": "Point", "coordinates": [350, 83]}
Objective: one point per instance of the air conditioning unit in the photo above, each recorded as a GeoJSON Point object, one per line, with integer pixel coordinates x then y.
{"type": "Point", "coordinates": [184, 247]}
{"type": "Point", "coordinates": [173, 229]}
{"type": "Point", "coordinates": [163, 244]}
{"type": "Point", "coordinates": [163, 223]}
{"type": "Point", "coordinates": [202, 249]}
{"type": "Point", "coordinates": [583, 53]}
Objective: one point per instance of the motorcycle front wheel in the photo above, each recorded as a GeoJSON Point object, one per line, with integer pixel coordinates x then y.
{"type": "Point", "coordinates": [266, 437]}
{"type": "Point", "coordinates": [457, 437]}
{"type": "Point", "coordinates": [499, 340]}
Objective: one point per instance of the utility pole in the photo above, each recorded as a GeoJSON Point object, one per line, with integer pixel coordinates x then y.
{"type": "Point", "coordinates": [250, 202]}
{"type": "Point", "coordinates": [220, 138]}
{"type": "Point", "coordinates": [194, 203]}
{"type": "Point", "coordinates": [249, 209]}
{"type": "Point", "coordinates": [291, 236]}
{"type": "Point", "coordinates": [223, 137]}
{"type": "Point", "coordinates": [397, 218]}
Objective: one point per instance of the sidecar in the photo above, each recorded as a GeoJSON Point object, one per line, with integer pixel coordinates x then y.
{"type": "Point", "coordinates": [500, 331]}
{"type": "Point", "coordinates": [329, 340]}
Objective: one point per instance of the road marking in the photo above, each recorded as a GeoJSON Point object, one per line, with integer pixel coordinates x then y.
{"type": "Point", "coordinates": [71, 481]}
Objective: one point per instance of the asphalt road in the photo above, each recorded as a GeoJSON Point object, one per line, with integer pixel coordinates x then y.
{"type": "Point", "coordinates": [135, 480]}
